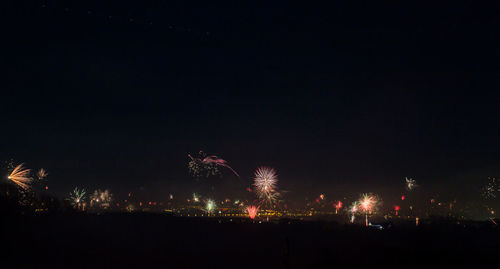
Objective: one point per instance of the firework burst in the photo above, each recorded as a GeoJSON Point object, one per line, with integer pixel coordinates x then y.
{"type": "Point", "coordinates": [41, 174]}
{"type": "Point", "coordinates": [77, 197]}
{"type": "Point", "coordinates": [252, 211]}
{"type": "Point", "coordinates": [210, 205]}
{"type": "Point", "coordinates": [196, 199]}
{"type": "Point", "coordinates": [212, 159]}
{"type": "Point", "coordinates": [199, 169]}
{"type": "Point", "coordinates": [265, 182]}
{"type": "Point", "coordinates": [338, 206]}
{"type": "Point", "coordinates": [21, 177]}
{"type": "Point", "coordinates": [207, 165]}
{"type": "Point", "coordinates": [491, 189]}
{"type": "Point", "coordinates": [368, 204]}
{"type": "Point", "coordinates": [101, 199]}
{"type": "Point", "coordinates": [410, 183]}
{"type": "Point", "coordinates": [354, 209]}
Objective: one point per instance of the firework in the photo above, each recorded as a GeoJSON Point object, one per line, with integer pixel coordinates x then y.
{"type": "Point", "coordinates": [252, 211]}
{"type": "Point", "coordinates": [21, 176]}
{"type": "Point", "coordinates": [207, 165]}
{"type": "Point", "coordinates": [367, 204]}
{"type": "Point", "coordinates": [212, 159]}
{"type": "Point", "coordinates": [354, 209]}
{"type": "Point", "coordinates": [101, 199]}
{"type": "Point", "coordinates": [41, 174]}
{"type": "Point", "coordinates": [396, 208]}
{"type": "Point", "coordinates": [265, 181]}
{"type": "Point", "coordinates": [77, 197]}
{"type": "Point", "coordinates": [491, 189]}
{"type": "Point", "coordinates": [198, 169]}
{"type": "Point", "coordinates": [210, 205]}
{"type": "Point", "coordinates": [410, 183]}
{"type": "Point", "coordinates": [195, 198]}
{"type": "Point", "coordinates": [338, 206]}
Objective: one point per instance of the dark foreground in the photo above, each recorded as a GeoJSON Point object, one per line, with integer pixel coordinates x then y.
{"type": "Point", "coordinates": [157, 241]}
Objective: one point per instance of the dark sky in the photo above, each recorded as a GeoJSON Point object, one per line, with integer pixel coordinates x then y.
{"type": "Point", "coordinates": [340, 98]}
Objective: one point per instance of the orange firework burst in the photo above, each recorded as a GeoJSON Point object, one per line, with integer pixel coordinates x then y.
{"type": "Point", "coordinates": [21, 176]}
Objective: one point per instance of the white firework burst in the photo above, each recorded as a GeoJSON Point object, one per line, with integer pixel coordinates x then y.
{"type": "Point", "coordinates": [410, 183]}
{"type": "Point", "coordinates": [265, 182]}
{"type": "Point", "coordinates": [210, 205]}
{"type": "Point", "coordinates": [77, 196]}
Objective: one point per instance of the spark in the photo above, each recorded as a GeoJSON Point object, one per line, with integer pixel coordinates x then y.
{"type": "Point", "coordinates": [195, 198]}
{"type": "Point", "coordinates": [410, 183]}
{"type": "Point", "coordinates": [21, 176]}
{"type": "Point", "coordinates": [265, 181]}
{"type": "Point", "coordinates": [41, 174]}
{"type": "Point", "coordinates": [252, 211]}
{"type": "Point", "coordinates": [322, 196]}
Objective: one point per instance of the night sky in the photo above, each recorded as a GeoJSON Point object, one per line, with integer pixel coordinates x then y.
{"type": "Point", "coordinates": [341, 98]}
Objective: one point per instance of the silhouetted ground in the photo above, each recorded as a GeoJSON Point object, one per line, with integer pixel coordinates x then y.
{"type": "Point", "coordinates": [158, 241]}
